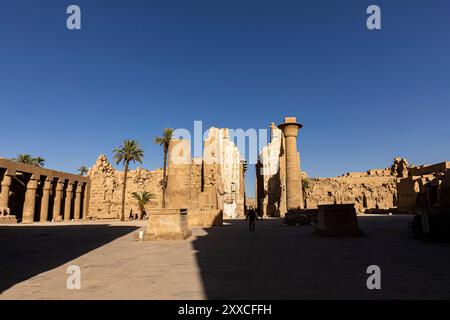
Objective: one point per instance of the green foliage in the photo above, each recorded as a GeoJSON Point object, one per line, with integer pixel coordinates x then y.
{"type": "Point", "coordinates": [143, 198]}
{"type": "Point", "coordinates": [305, 183]}
{"type": "Point", "coordinates": [164, 140]}
{"type": "Point", "coordinates": [83, 170]}
{"type": "Point", "coordinates": [129, 151]}
{"type": "Point", "coordinates": [28, 159]}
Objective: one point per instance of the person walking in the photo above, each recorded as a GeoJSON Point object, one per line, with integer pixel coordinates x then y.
{"type": "Point", "coordinates": [252, 217]}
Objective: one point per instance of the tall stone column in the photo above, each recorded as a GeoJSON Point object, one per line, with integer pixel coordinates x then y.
{"type": "Point", "coordinates": [45, 200]}
{"type": "Point", "coordinates": [30, 201]}
{"type": "Point", "coordinates": [85, 194]}
{"type": "Point", "coordinates": [179, 174]}
{"type": "Point", "coordinates": [68, 202]}
{"type": "Point", "coordinates": [58, 198]}
{"type": "Point", "coordinates": [294, 193]}
{"type": "Point", "coordinates": [4, 194]}
{"type": "Point", "coordinates": [77, 209]}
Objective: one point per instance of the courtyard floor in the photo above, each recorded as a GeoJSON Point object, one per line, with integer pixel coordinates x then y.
{"type": "Point", "coordinates": [229, 262]}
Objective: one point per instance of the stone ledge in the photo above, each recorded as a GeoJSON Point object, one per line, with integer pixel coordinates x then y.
{"type": "Point", "coordinates": [167, 236]}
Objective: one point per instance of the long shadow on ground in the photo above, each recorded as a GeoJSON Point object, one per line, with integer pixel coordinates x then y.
{"type": "Point", "coordinates": [30, 250]}
{"type": "Point", "coordinates": [281, 262]}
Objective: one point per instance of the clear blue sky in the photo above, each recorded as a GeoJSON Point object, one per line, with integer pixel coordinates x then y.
{"type": "Point", "coordinates": [136, 67]}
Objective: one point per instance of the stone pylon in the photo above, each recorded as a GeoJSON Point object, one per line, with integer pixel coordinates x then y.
{"type": "Point", "coordinates": [179, 174]}
{"type": "Point", "coordinates": [294, 192]}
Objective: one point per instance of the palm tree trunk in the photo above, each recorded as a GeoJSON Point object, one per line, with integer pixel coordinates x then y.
{"type": "Point", "coordinates": [164, 177]}
{"type": "Point", "coordinates": [124, 188]}
{"type": "Point", "coordinates": [141, 213]}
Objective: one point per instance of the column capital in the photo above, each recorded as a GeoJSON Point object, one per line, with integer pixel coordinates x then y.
{"type": "Point", "coordinates": [47, 184]}
{"type": "Point", "coordinates": [290, 127]}
{"type": "Point", "coordinates": [79, 188]}
{"type": "Point", "coordinates": [6, 181]}
{"type": "Point", "coordinates": [70, 186]}
{"type": "Point", "coordinates": [32, 183]}
{"type": "Point", "coordinates": [60, 185]}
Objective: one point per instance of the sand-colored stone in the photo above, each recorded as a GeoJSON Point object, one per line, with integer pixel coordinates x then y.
{"type": "Point", "coordinates": [214, 182]}
{"type": "Point", "coordinates": [374, 190]}
{"type": "Point", "coordinates": [222, 161]}
{"type": "Point", "coordinates": [205, 217]}
{"type": "Point", "coordinates": [30, 201]}
{"type": "Point", "coordinates": [179, 174]}
{"type": "Point", "coordinates": [106, 188]}
{"type": "Point", "coordinates": [57, 200]}
{"type": "Point", "coordinates": [427, 187]}
{"type": "Point", "coordinates": [45, 200]}
{"type": "Point", "coordinates": [294, 195]}
{"type": "Point", "coordinates": [367, 193]}
{"type": "Point", "coordinates": [167, 224]}
{"type": "Point", "coordinates": [29, 192]}
{"type": "Point", "coordinates": [68, 201]}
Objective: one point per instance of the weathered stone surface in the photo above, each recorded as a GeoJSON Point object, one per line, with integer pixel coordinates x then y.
{"type": "Point", "coordinates": [223, 162]}
{"type": "Point", "coordinates": [272, 176]}
{"type": "Point", "coordinates": [167, 224]}
{"type": "Point", "coordinates": [106, 188]}
{"type": "Point", "coordinates": [31, 193]}
{"type": "Point", "coordinates": [210, 185]}
{"type": "Point", "coordinates": [294, 195]}
{"type": "Point", "coordinates": [367, 193]}
{"type": "Point", "coordinates": [374, 190]}
{"type": "Point", "coordinates": [426, 188]}
{"type": "Point", "coordinates": [205, 217]}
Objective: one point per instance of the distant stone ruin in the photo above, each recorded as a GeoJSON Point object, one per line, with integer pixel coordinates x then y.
{"type": "Point", "coordinates": [106, 189]}
{"type": "Point", "coordinates": [211, 185]}
{"type": "Point", "coordinates": [371, 191]}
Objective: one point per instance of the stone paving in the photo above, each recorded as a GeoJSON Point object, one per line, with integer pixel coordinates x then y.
{"type": "Point", "coordinates": [229, 262]}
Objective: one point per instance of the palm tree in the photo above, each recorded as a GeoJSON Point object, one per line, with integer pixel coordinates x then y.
{"type": "Point", "coordinates": [305, 183]}
{"type": "Point", "coordinates": [129, 151]}
{"type": "Point", "coordinates": [142, 198]}
{"type": "Point", "coordinates": [164, 141]}
{"type": "Point", "coordinates": [39, 162]}
{"type": "Point", "coordinates": [28, 159]}
{"type": "Point", "coordinates": [83, 170]}
{"type": "Point", "coordinates": [24, 158]}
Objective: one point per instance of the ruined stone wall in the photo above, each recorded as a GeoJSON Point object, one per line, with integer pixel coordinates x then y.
{"type": "Point", "coordinates": [222, 161]}
{"type": "Point", "coordinates": [374, 190]}
{"type": "Point", "coordinates": [214, 183]}
{"type": "Point", "coordinates": [272, 193]}
{"type": "Point", "coordinates": [106, 189]}
{"type": "Point", "coordinates": [370, 193]}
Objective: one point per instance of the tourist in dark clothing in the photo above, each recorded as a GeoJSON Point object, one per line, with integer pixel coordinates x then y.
{"type": "Point", "coordinates": [252, 217]}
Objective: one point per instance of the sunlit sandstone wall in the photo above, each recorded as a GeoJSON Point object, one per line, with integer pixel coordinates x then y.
{"type": "Point", "coordinates": [105, 200]}
{"type": "Point", "coordinates": [216, 184]}
{"type": "Point", "coordinates": [221, 154]}
{"type": "Point", "coordinates": [368, 193]}
{"type": "Point", "coordinates": [372, 190]}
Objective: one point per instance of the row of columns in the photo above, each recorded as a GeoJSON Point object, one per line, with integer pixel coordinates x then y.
{"type": "Point", "coordinates": [29, 206]}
